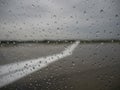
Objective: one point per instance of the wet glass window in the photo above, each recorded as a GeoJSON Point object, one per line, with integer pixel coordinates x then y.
{"type": "Point", "coordinates": [59, 44]}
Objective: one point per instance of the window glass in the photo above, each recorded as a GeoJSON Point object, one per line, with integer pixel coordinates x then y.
{"type": "Point", "coordinates": [59, 44]}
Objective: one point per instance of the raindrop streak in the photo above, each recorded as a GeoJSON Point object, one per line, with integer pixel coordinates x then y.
{"type": "Point", "coordinates": [14, 71]}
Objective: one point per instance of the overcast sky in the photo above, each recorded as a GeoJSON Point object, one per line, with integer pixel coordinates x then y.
{"type": "Point", "coordinates": [59, 19]}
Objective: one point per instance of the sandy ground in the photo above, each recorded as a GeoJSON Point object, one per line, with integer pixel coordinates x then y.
{"type": "Point", "coordinates": [90, 67]}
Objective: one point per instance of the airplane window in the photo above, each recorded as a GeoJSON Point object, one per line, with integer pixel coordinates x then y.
{"type": "Point", "coordinates": [59, 44]}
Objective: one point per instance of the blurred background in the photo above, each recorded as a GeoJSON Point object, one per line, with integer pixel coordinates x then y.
{"type": "Point", "coordinates": [59, 19]}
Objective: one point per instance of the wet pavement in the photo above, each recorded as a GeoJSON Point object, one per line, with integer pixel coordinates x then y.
{"type": "Point", "coordinates": [90, 67]}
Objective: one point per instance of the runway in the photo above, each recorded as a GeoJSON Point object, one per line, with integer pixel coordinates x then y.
{"type": "Point", "coordinates": [60, 67]}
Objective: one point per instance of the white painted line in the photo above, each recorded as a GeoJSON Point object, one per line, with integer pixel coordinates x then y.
{"type": "Point", "coordinates": [14, 71]}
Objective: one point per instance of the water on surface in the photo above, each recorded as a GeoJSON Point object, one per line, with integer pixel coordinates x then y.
{"type": "Point", "coordinates": [23, 52]}
{"type": "Point", "coordinates": [90, 67]}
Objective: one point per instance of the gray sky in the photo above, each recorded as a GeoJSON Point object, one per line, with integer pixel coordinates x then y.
{"type": "Point", "coordinates": [59, 19]}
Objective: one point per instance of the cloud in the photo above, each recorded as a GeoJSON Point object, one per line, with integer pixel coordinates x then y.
{"type": "Point", "coordinates": [59, 19]}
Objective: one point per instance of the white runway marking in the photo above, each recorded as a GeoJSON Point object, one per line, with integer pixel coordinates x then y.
{"type": "Point", "coordinates": [14, 71]}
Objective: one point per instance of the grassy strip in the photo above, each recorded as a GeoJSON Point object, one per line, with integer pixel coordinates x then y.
{"type": "Point", "coordinates": [13, 42]}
